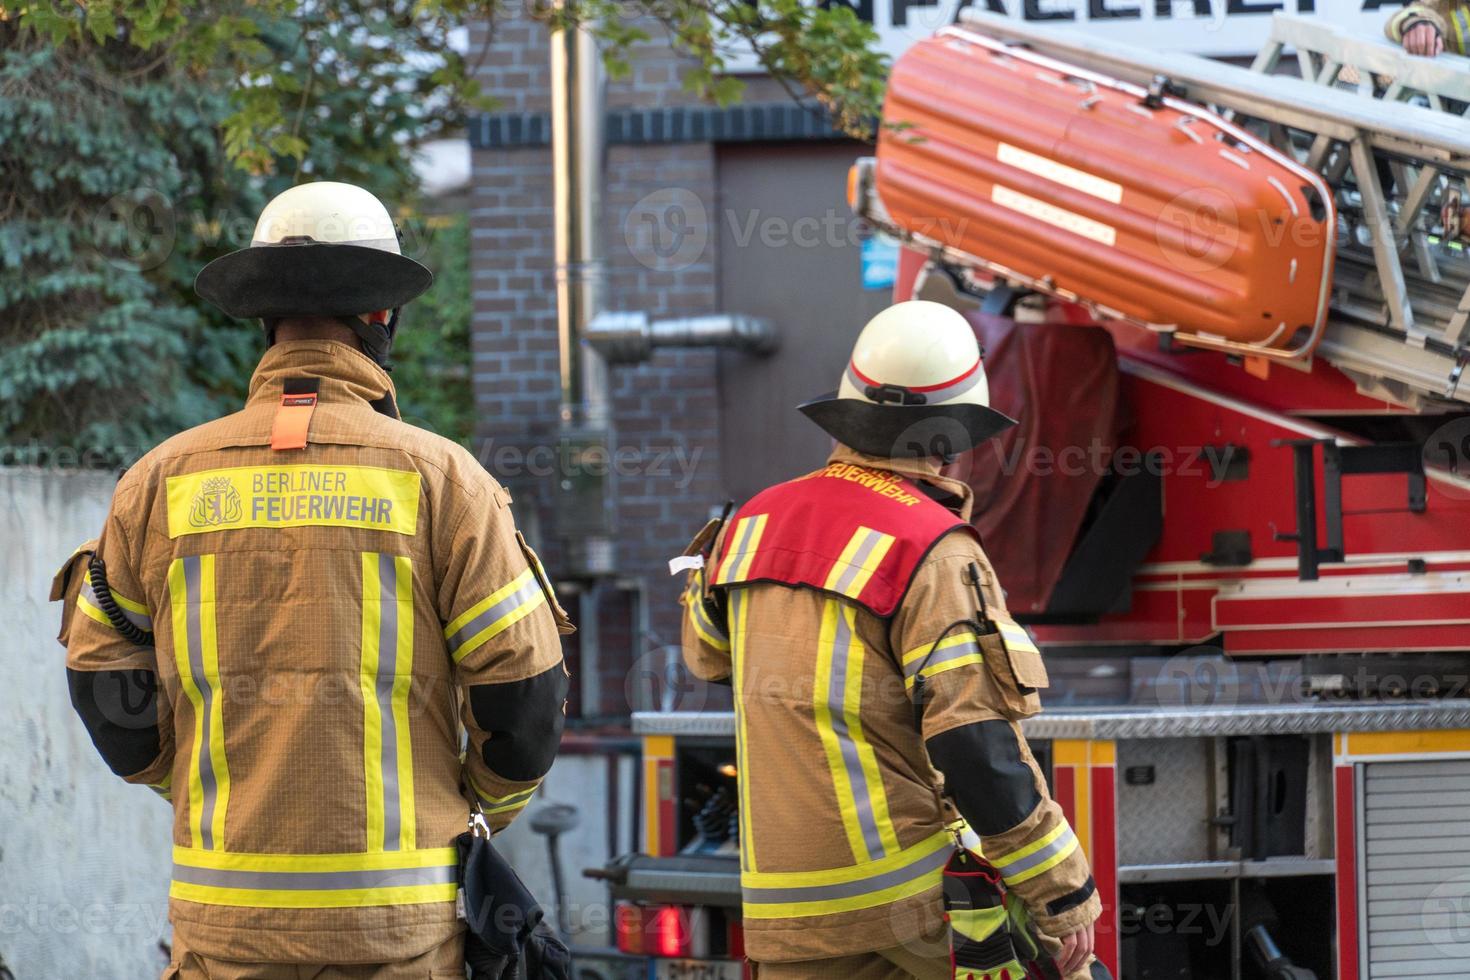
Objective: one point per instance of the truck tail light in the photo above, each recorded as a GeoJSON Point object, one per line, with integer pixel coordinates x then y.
{"type": "Point", "coordinates": [658, 930]}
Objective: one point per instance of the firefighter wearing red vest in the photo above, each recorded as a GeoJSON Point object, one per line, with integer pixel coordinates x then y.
{"type": "Point", "coordinates": [825, 602]}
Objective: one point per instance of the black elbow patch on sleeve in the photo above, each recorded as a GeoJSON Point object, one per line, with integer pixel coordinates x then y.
{"type": "Point", "coordinates": [993, 789]}
{"type": "Point", "coordinates": [524, 720]}
{"type": "Point", "coordinates": [120, 710]}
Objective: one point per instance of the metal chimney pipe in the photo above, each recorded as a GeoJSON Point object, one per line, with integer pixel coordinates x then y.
{"type": "Point", "coordinates": [577, 153]}
{"type": "Point", "coordinates": [631, 338]}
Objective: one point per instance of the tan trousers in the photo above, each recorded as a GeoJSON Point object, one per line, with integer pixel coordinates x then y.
{"type": "Point", "coordinates": [898, 963]}
{"type": "Point", "coordinates": [444, 962]}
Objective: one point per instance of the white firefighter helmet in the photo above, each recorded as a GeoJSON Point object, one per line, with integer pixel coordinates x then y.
{"type": "Point", "coordinates": [322, 249]}
{"type": "Point", "coordinates": [915, 386]}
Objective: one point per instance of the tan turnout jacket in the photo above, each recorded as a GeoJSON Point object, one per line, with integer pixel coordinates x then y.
{"type": "Point", "coordinates": [809, 894]}
{"type": "Point", "coordinates": [317, 616]}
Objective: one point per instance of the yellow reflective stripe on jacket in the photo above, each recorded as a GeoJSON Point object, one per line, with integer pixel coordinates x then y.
{"type": "Point", "coordinates": [859, 559]}
{"type": "Point", "coordinates": [1038, 857]}
{"type": "Point", "coordinates": [746, 538]}
{"type": "Point", "coordinates": [164, 787]}
{"type": "Point", "coordinates": [409, 877]}
{"type": "Point", "coordinates": [1015, 636]}
{"type": "Point", "coordinates": [956, 650]}
{"type": "Point", "coordinates": [837, 706]}
{"type": "Point", "coordinates": [1460, 20]}
{"type": "Point", "coordinates": [385, 674]}
{"type": "Point", "coordinates": [700, 619]}
{"type": "Point", "coordinates": [493, 615]}
{"type": "Point", "coordinates": [133, 611]}
{"type": "Point", "coordinates": [501, 804]}
{"type": "Point", "coordinates": [196, 655]}
{"type": "Point", "coordinates": [903, 874]}
{"type": "Point", "coordinates": [739, 615]}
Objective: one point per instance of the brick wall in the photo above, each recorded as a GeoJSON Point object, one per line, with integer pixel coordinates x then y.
{"type": "Point", "coordinates": [664, 412]}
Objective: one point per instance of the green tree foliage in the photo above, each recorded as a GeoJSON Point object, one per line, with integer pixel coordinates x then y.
{"type": "Point", "coordinates": [431, 363]}
{"type": "Point", "coordinates": [101, 352]}
{"type": "Point", "coordinates": [121, 184]}
{"type": "Point", "coordinates": [819, 49]}
{"type": "Point", "coordinates": [139, 138]}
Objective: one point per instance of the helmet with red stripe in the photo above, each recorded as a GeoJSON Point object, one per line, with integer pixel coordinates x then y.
{"type": "Point", "coordinates": [915, 386]}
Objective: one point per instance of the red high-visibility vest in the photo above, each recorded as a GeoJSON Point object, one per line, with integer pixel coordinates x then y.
{"type": "Point", "coordinates": [848, 530]}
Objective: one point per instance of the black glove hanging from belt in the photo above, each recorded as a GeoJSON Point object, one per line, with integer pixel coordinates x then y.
{"type": "Point", "coordinates": [507, 937]}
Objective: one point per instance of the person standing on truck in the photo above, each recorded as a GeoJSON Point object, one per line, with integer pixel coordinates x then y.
{"type": "Point", "coordinates": [821, 601]}
{"type": "Point", "coordinates": [293, 615]}
{"type": "Point", "coordinates": [1431, 27]}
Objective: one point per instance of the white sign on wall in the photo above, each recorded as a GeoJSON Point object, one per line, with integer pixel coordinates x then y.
{"type": "Point", "coordinates": [1209, 27]}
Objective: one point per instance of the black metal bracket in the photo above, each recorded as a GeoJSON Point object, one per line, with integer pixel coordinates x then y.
{"type": "Point", "coordinates": [1339, 461]}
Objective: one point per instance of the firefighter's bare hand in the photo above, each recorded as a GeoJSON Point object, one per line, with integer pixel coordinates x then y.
{"type": "Point", "coordinates": [1423, 39]}
{"type": "Point", "coordinates": [1075, 950]}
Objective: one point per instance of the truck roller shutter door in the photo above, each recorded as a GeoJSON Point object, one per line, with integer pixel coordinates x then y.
{"type": "Point", "coordinates": [1416, 860]}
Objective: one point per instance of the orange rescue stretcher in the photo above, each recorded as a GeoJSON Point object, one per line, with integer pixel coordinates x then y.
{"type": "Point", "coordinates": [1137, 203]}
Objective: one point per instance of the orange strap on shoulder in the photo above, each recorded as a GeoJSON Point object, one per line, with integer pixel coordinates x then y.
{"type": "Point", "coordinates": [293, 418]}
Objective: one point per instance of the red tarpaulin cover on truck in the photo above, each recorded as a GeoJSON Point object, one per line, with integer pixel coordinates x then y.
{"type": "Point", "coordinates": [1034, 482]}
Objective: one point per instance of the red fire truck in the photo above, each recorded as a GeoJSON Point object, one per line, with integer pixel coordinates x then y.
{"type": "Point", "coordinates": [1230, 307]}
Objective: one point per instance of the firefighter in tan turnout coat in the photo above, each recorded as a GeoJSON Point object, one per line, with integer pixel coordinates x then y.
{"type": "Point", "coordinates": [293, 614]}
{"type": "Point", "coordinates": [820, 601]}
{"type": "Point", "coordinates": [1430, 27]}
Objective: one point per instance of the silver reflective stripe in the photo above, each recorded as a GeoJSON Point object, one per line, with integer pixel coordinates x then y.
{"type": "Point", "coordinates": [925, 865]}
{"type": "Point", "coordinates": [530, 592]}
{"type": "Point", "coordinates": [207, 694]}
{"type": "Point", "coordinates": [1019, 866]}
{"type": "Point", "coordinates": [942, 656]}
{"type": "Point", "coordinates": [855, 564]}
{"type": "Point", "coordinates": [743, 780]}
{"type": "Point", "coordinates": [387, 670]}
{"type": "Point", "coordinates": [732, 559]}
{"type": "Point", "coordinates": [837, 704]}
{"type": "Point", "coordinates": [136, 618]}
{"type": "Point", "coordinates": [937, 396]}
{"type": "Point", "coordinates": [313, 880]}
{"type": "Point", "coordinates": [702, 616]}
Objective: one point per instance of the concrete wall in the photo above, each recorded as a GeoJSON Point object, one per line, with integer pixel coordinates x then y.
{"type": "Point", "coordinates": [84, 857]}
{"type": "Point", "coordinates": [581, 781]}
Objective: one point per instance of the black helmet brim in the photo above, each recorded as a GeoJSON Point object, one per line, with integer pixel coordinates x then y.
{"type": "Point", "coordinates": [903, 431]}
{"type": "Point", "coordinates": [310, 279]}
